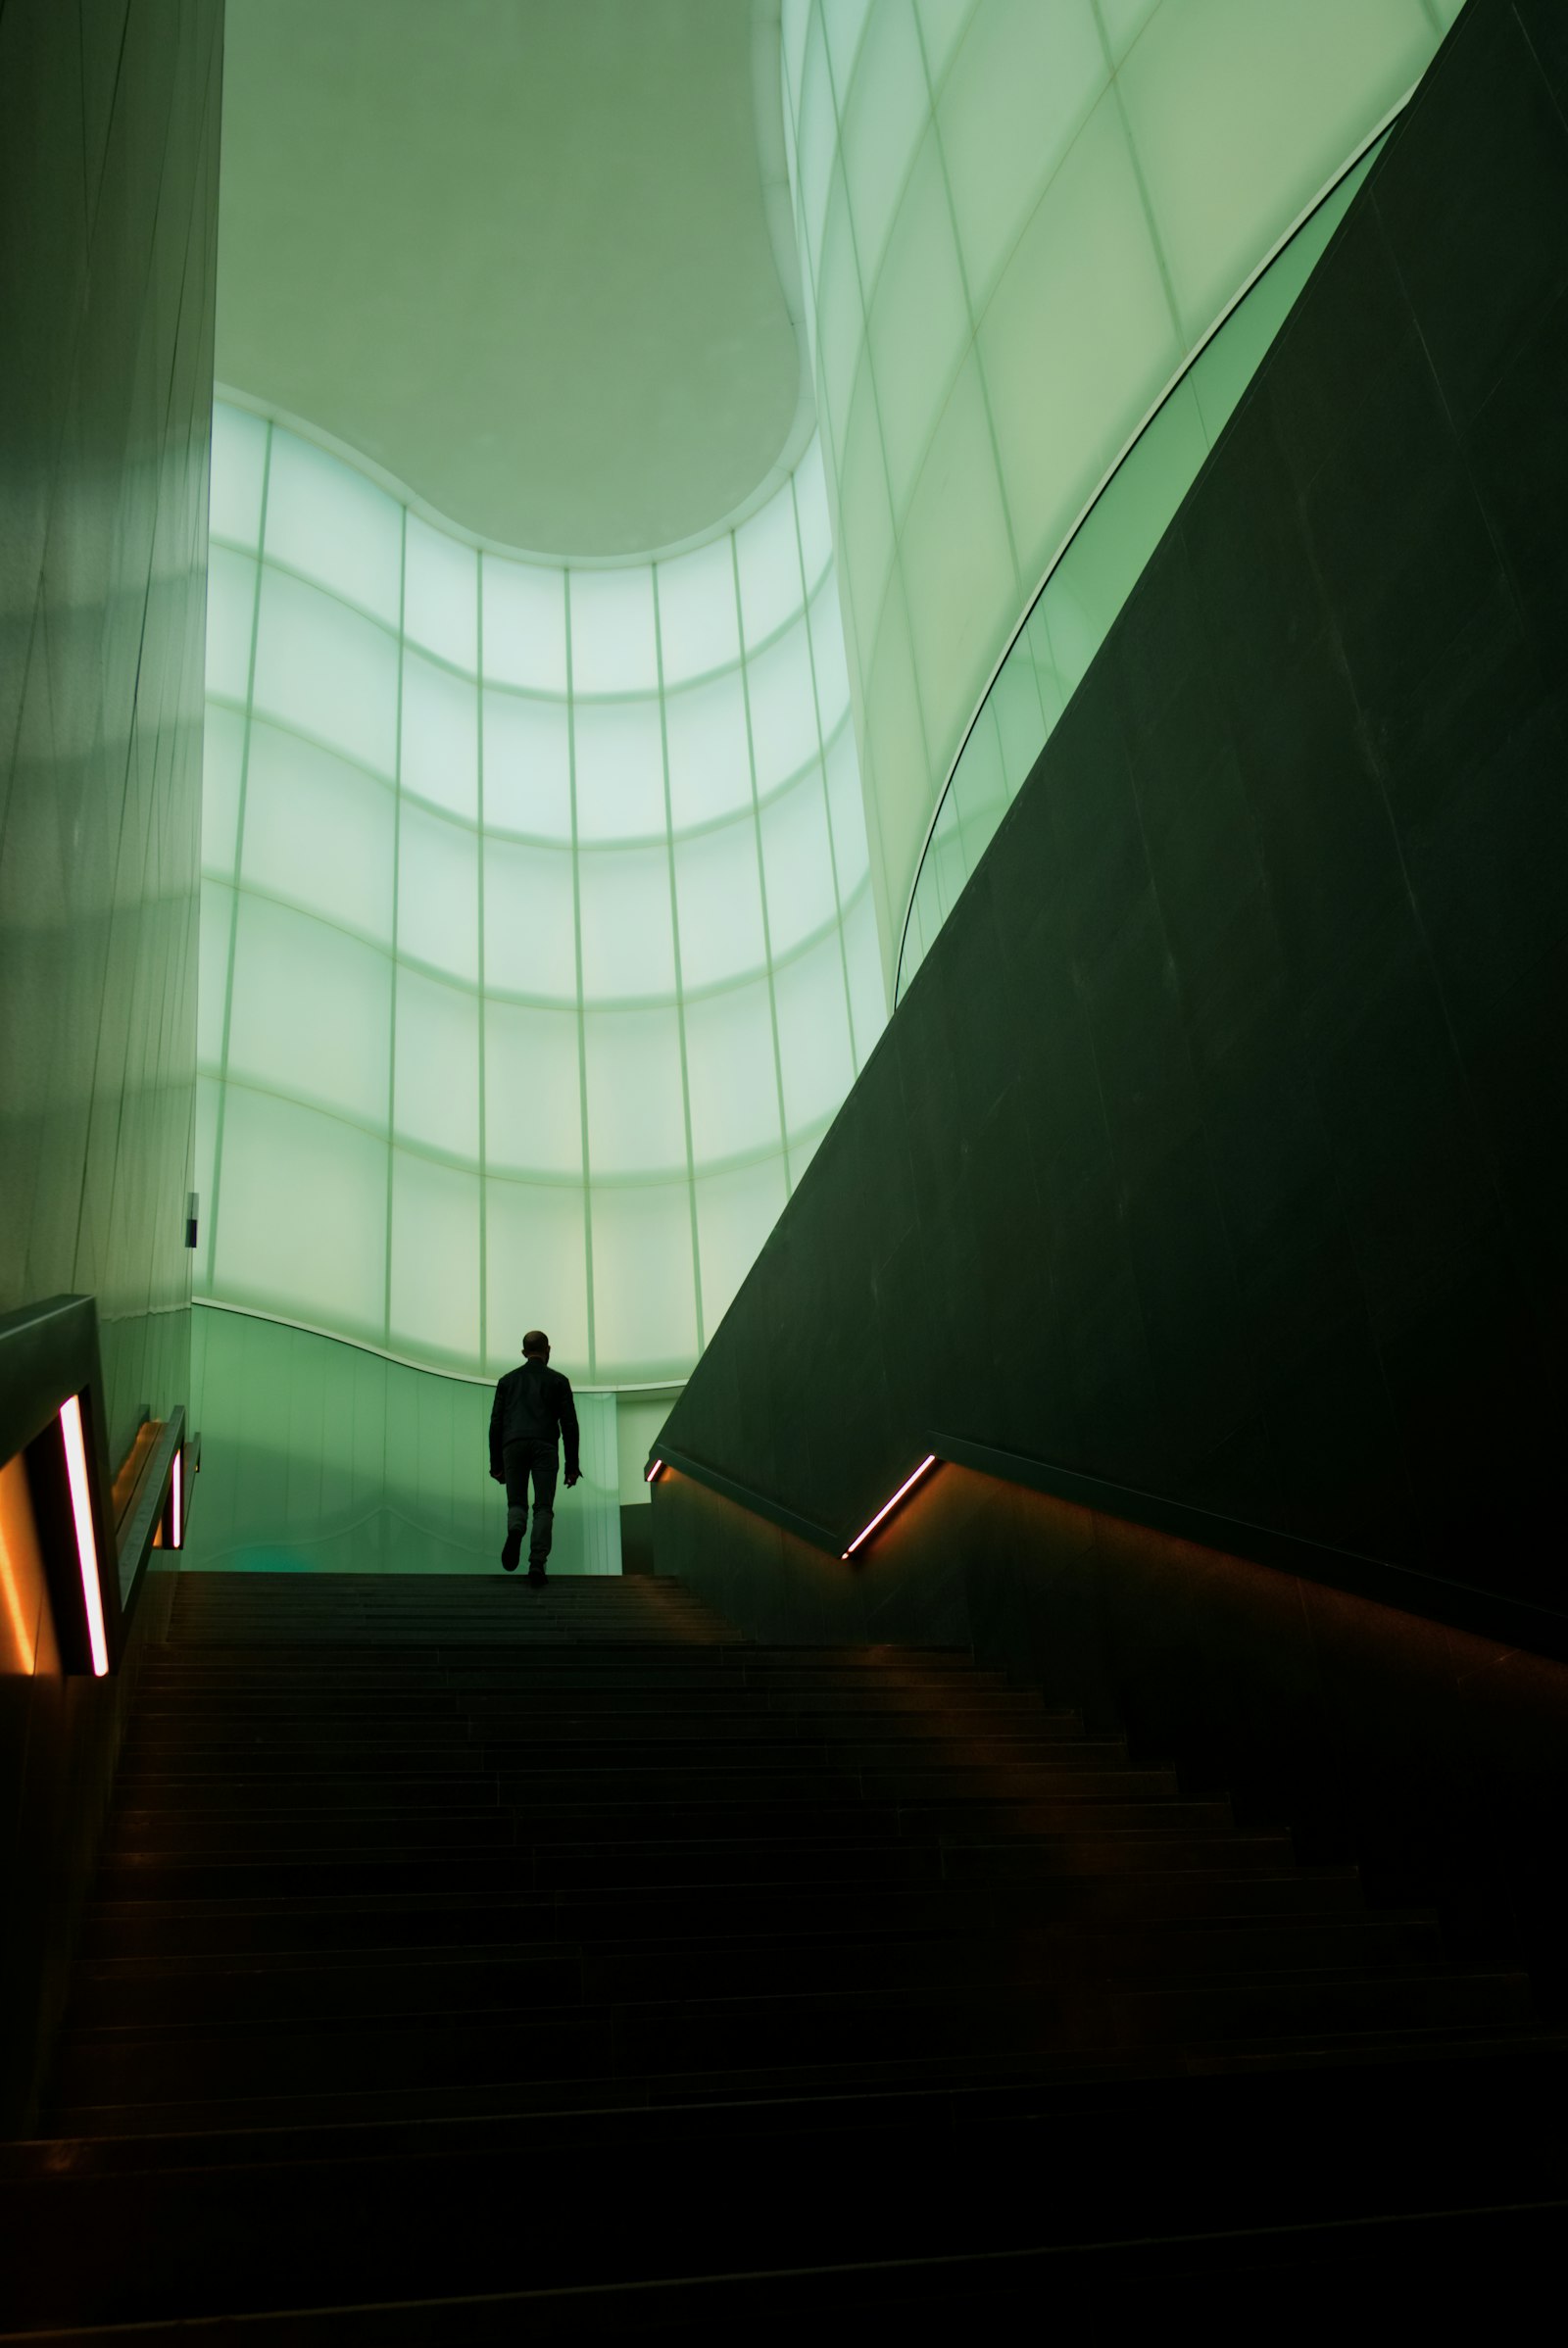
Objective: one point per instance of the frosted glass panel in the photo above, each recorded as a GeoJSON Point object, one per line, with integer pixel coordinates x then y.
{"type": "Point", "coordinates": [436, 1095]}
{"type": "Point", "coordinates": [811, 505]}
{"type": "Point", "coordinates": [732, 1075]}
{"type": "Point", "coordinates": [438, 893]}
{"type": "Point", "coordinates": [1023, 86]}
{"type": "Point", "coordinates": [918, 311]}
{"type": "Point", "coordinates": [814, 1034]}
{"type": "Point", "coordinates": [239, 464]}
{"type": "Point", "coordinates": [441, 594]}
{"type": "Point", "coordinates": [230, 615]}
{"type": "Point", "coordinates": [697, 615]}
{"type": "Point", "coordinates": [645, 1305]}
{"type": "Point", "coordinates": [435, 1289]}
{"type": "Point", "coordinates": [783, 707]}
{"type": "Point", "coordinates": [709, 762]}
{"type": "Point", "coordinates": [212, 999]}
{"type": "Point", "coordinates": [532, 1090]}
{"type": "Point", "coordinates": [530, 921]}
{"type": "Point", "coordinates": [869, 1007]}
{"type": "Point", "coordinates": [882, 127]}
{"type": "Point", "coordinates": [327, 520]}
{"type": "Point", "coordinates": [627, 941]}
{"type": "Point", "coordinates": [612, 631]}
{"type": "Point", "coordinates": [223, 763]}
{"type": "Point", "coordinates": [527, 766]}
{"type": "Point", "coordinates": [719, 902]}
{"type": "Point", "coordinates": [296, 794]}
{"type": "Point", "coordinates": [440, 737]}
{"type": "Point", "coordinates": [827, 657]}
{"type": "Point", "coordinates": [536, 1276]}
{"type": "Point", "coordinates": [768, 557]}
{"type": "Point", "coordinates": [327, 672]}
{"type": "Point", "coordinates": [288, 968]}
{"type": "Point", "coordinates": [798, 863]}
{"type": "Point", "coordinates": [735, 1213]}
{"type": "Point", "coordinates": [524, 625]}
{"type": "Point", "coordinates": [620, 770]}
{"type": "Point", "coordinates": [847, 811]}
{"type": "Point", "coordinates": [301, 1214]}
{"type": "Point", "coordinates": [415, 1085]}
{"type": "Point", "coordinates": [636, 1116]}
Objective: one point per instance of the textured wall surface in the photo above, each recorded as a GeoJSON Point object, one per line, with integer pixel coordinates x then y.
{"type": "Point", "coordinates": [109, 120]}
{"type": "Point", "coordinates": [109, 141]}
{"type": "Point", "coordinates": [1217, 1149]}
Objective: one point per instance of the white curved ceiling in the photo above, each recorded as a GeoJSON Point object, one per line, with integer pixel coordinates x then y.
{"type": "Point", "coordinates": [514, 251]}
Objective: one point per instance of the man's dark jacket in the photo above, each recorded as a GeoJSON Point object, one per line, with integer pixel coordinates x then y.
{"type": "Point", "coordinates": [533, 1404]}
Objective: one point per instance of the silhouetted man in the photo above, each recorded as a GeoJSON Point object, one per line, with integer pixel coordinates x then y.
{"type": "Point", "coordinates": [533, 1404]}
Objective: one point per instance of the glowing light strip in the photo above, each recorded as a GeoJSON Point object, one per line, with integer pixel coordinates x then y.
{"type": "Point", "coordinates": [653, 1471]}
{"type": "Point", "coordinates": [866, 1531]}
{"type": "Point", "coordinates": [176, 1499]}
{"type": "Point", "coordinates": [86, 1545]}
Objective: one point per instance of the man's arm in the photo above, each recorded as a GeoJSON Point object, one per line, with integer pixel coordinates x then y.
{"type": "Point", "coordinates": [568, 1429]}
{"type": "Point", "coordinates": [498, 1467]}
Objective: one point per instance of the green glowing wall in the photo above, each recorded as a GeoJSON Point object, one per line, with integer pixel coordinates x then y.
{"type": "Point", "coordinates": [1016, 219]}
{"type": "Point", "coordinates": [538, 947]}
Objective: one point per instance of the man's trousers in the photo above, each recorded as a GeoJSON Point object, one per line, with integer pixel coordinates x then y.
{"type": "Point", "coordinates": [540, 1461]}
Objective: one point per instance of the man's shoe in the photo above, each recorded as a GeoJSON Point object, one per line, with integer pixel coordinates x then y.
{"type": "Point", "coordinates": [536, 1575]}
{"type": "Point", "coordinates": [512, 1549]}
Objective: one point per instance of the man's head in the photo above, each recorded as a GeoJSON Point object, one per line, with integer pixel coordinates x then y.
{"type": "Point", "coordinates": [535, 1345]}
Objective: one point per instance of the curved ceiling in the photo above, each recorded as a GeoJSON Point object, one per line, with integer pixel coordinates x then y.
{"type": "Point", "coordinates": [516, 252]}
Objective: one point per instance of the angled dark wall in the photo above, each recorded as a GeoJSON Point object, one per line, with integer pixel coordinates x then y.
{"type": "Point", "coordinates": [109, 129]}
{"type": "Point", "coordinates": [1217, 1149]}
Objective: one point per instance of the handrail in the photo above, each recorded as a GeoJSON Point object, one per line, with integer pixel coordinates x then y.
{"type": "Point", "coordinates": [54, 1416]}
{"type": "Point", "coordinates": [805, 1528]}
{"type": "Point", "coordinates": [1407, 1589]}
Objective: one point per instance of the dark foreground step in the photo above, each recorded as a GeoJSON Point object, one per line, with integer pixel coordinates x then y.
{"type": "Point", "coordinates": [232, 2224]}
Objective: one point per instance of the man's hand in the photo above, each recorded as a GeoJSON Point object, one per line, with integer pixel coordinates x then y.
{"type": "Point", "coordinates": [497, 1476]}
{"type": "Point", "coordinates": [575, 1478]}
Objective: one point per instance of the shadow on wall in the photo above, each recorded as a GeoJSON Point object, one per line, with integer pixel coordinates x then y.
{"type": "Point", "coordinates": [1434, 1759]}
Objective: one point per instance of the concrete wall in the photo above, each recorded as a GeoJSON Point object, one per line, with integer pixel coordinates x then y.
{"type": "Point", "coordinates": [1216, 1149]}
{"type": "Point", "coordinates": [109, 130]}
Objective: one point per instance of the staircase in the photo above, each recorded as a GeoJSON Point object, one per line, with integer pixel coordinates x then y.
{"type": "Point", "coordinates": [467, 1958]}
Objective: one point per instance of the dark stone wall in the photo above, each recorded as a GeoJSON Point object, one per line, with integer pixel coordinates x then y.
{"type": "Point", "coordinates": [109, 132]}
{"type": "Point", "coordinates": [1217, 1148]}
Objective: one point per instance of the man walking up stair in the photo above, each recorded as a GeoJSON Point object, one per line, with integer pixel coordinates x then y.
{"type": "Point", "coordinates": [532, 1409]}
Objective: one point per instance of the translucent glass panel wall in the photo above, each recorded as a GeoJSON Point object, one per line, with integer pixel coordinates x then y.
{"type": "Point", "coordinates": [1096, 574]}
{"type": "Point", "coordinates": [321, 1456]}
{"type": "Point", "coordinates": [1016, 218]}
{"type": "Point", "coordinates": [538, 946]}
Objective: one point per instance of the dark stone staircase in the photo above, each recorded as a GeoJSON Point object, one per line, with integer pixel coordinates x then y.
{"type": "Point", "coordinates": [468, 1959]}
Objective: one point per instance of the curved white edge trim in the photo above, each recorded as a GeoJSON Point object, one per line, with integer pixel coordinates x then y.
{"type": "Point", "coordinates": [406, 1362]}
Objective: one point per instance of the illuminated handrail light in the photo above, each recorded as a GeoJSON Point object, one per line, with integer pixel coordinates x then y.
{"type": "Point", "coordinates": [176, 1499]}
{"type": "Point", "coordinates": [86, 1544]}
{"type": "Point", "coordinates": [653, 1471]}
{"type": "Point", "coordinates": [887, 1507]}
